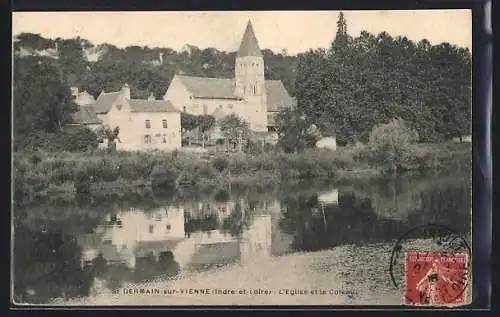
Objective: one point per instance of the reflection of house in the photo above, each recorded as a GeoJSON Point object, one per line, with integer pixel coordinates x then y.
{"type": "Point", "coordinates": [330, 197]}
{"type": "Point", "coordinates": [257, 240]}
{"type": "Point", "coordinates": [127, 235]}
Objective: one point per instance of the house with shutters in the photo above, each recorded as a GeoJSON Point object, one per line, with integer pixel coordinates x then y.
{"type": "Point", "coordinates": [145, 124]}
{"type": "Point", "coordinates": [248, 95]}
{"type": "Point", "coordinates": [156, 124]}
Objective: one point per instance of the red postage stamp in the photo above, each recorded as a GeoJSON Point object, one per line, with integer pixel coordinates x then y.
{"type": "Point", "coordinates": [436, 279]}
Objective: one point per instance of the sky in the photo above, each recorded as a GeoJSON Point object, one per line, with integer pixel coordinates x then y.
{"type": "Point", "coordinates": [295, 31]}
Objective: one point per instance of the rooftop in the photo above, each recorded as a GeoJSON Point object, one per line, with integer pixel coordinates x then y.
{"type": "Point", "coordinates": [249, 45]}
{"type": "Point", "coordinates": [141, 105]}
{"type": "Point", "coordinates": [86, 115]}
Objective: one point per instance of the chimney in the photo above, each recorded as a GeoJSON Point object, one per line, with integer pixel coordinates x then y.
{"type": "Point", "coordinates": [151, 97]}
{"type": "Point", "coordinates": [161, 58]}
{"type": "Point", "coordinates": [126, 91]}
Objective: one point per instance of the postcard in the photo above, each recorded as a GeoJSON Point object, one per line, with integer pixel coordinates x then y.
{"type": "Point", "coordinates": [237, 158]}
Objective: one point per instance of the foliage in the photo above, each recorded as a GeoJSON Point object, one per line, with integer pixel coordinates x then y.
{"type": "Point", "coordinates": [371, 79]}
{"type": "Point", "coordinates": [391, 145]}
{"type": "Point", "coordinates": [188, 121]}
{"type": "Point", "coordinates": [220, 163]}
{"type": "Point", "coordinates": [294, 131]}
{"type": "Point", "coordinates": [72, 139]}
{"type": "Point", "coordinates": [235, 130]}
{"type": "Point", "coordinates": [141, 67]}
{"type": "Point", "coordinates": [38, 174]}
{"type": "Point", "coordinates": [42, 98]}
{"type": "Point", "coordinates": [105, 132]}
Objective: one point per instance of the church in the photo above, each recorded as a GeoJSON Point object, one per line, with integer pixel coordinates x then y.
{"type": "Point", "coordinates": [247, 95]}
{"type": "Point", "coordinates": [156, 124]}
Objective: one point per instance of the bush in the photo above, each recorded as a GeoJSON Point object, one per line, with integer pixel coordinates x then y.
{"type": "Point", "coordinates": [238, 165]}
{"type": "Point", "coordinates": [391, 145]}
{"type": "Point", "coordinates": [163, 177]}
{"type": "Point", "coordinates": [220, 163]}
{"type": "Point", "coordinates": [79, 139]}
{"type": "Point", "coordinates": [72, 139]}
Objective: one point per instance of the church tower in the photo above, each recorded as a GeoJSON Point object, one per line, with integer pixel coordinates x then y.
{"type": "Point", "coordinates": [249, 80]}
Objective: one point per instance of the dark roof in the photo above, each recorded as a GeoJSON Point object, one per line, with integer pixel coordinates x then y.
{"type": "Point", "coordinates": [277, 96]}
{"type": "Point", "coordinates": [105, 101]}
{"type": "Point", "coordinates": [249, 45]}
{"type": "Point", "coordinates": [223, 88]}
{"type": "Point", "coordinates": [141, 105]}
{"type": "Point", "coordinates": [143, 248]}
{"type": "Point", "coordinates": [215, 88]}
{"type": "Point", "coordinates": [216, 253]}
{"type": "Point", "coordinates": [86, 115]}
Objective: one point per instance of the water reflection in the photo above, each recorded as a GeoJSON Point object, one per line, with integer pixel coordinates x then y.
{"type": "Point", "coordinates": [179, 240]}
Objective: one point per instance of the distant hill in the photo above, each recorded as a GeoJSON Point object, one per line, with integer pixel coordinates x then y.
{"type": "Point", "coordinates": [95, 68]}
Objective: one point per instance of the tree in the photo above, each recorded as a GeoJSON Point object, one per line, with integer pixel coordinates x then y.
{"type": "Point", "coordinates": [42, 99]}
{"type": "Point", "coordinates": [188, 123]}
{"type": "Point", "coordinates": [295, 132]}
{"type": "Point", "coordinates": [235, 131]}
{"type": "Point", "coordinates": [105, 132]}
{"type": "Point", "coordinates": [205, 123]}
{"type": "Point", "coordinates": [341, 41]}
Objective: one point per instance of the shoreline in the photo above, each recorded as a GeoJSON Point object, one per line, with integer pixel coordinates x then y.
{"type": "Point", "coordinates": [63, 176]}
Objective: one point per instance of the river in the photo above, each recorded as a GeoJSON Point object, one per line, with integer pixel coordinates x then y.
{"type": "Point", "coordinates": [234, 246]}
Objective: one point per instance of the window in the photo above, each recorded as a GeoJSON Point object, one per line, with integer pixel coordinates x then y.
{"type": "Point", "coordinates": [169, 227]}
{"type": "Point", "coordinates": [164, 123]}
{"type": "Point", "coordinates": [164, 138]}
{"type": "Point", "coordinates": [205, 110]}
{"type": "Point", "coordinates": [254, 90]}
{"type": "Point", "coordinates": [147, 139]}
{"type": "Point", "coordinates": [151, 228]}
{"type": "Point", "coordinates": [184, 109]}
{"type": "Point", "coordinates": [148, 124]}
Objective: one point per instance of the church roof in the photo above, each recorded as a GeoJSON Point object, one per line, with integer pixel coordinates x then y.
{"type": "Point", "coordinates": [213, 88]}
{"type": "Point", "coordinates": [223, 88]}
{"type": "Point", "coordinates": [86, 115]}
{"type": "Point", "coordinates": [141, 105]}
{"type": "Point", "coordinates": [105, 101]}
{"type": "Point", "coordinates": [277, 96]}
{"type": "Point", "coordinates": [249, 45]}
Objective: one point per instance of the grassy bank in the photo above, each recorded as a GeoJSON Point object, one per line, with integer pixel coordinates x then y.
{"type": "Point", "coordinates": [64, 176]}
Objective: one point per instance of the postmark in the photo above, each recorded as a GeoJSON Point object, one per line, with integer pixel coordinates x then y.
{"type": "Point", "coordinates": [431, 265]}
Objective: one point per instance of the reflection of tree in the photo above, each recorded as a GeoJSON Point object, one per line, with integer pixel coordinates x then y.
{"type": "Point", "coordinates": [48, 263]}
{"type": "Point", "coordinates": [207, 222]}
{"type": "Point", "coordinates": [239, 219]}
{"type": "Point", "coordinates": [354, 219]}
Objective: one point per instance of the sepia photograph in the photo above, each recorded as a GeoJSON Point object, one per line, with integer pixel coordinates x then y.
{"type": "Point", "coordinates": [283, 158]}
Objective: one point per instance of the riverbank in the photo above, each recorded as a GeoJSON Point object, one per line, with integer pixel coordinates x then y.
{"type": "Point", "coordinates": [64, 176]}
{"type": "Point", "coordinates": [270, 281]}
